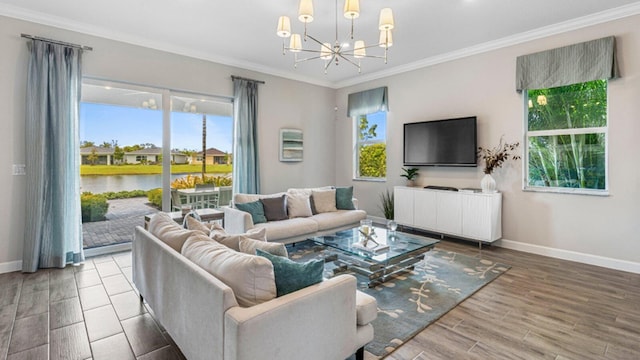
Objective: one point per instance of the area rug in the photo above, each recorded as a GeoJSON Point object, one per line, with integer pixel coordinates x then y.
{"type": "Point", "coordinates": [409, 302]}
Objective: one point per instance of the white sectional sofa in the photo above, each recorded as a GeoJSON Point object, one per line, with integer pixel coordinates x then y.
{"type": "Point", "coordinates": [294, 228]}
{"type": "Point", "coordinates": [328, 320]}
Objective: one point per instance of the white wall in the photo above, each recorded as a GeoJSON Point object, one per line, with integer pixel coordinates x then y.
{"type": "Point", "coordinates": [282, 103]}
{"type": "Point", "coordinates": [484, 85]}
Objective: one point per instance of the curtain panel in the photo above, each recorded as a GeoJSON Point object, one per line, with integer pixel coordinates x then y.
{"type": "Point", "coordinates": [368, 102]}
{"type": "Point", "coordinates": [245, 163]}
{"type": "Point", "coordinates": [53, 226]}
{"type": "Point", "coordinates": [573, 64]}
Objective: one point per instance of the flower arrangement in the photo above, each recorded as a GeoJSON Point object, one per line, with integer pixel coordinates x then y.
{"type": "Point", "coordinates": [495, 157]}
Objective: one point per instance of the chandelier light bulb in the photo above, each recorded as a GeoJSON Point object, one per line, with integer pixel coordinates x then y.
{"type": "Point", "coordinates": [359, 49]}
{"type": "Point", "coordinates": [284, 27]}
{"type": "Point", "coordinates": [386, 19]}
{"type": "Point", "coordinates": [305, 11]}
{"type": "Point", "coordinates": [386, 40]}
{"type": "Point", "coordinates": [295, 44]}
{"type": "Point", "coordinates": [325, 51]}
{"type": "Point", "coordinates": [351, 9]}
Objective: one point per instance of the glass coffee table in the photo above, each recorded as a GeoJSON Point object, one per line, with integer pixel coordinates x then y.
{"type": "Point", "coordinates": [404, 250]}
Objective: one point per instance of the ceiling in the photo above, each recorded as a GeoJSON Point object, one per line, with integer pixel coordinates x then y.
{"type": "Point", "coordinates": [243, 32]}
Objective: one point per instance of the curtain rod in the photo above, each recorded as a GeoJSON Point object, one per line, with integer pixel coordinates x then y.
{"type": "Point", "coordinates": [233, 77]}
{"type": "Point", "coordinates": [83, 47]}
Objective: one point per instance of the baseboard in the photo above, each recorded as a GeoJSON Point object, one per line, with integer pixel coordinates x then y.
{"type": "Point", "coordinates": [590, 259]}
{"type": "Point", "coordinates": [10, 266]}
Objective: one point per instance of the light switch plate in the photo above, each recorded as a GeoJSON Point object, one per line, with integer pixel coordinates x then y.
{"type": "Point", "coordinates": [19, 169]}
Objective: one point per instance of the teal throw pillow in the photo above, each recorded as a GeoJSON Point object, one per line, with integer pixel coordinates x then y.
{"type": "Point", "coordinates": [292, 276]}
{"type": "Point", "coordinates": [255, 209]}
{"type": "Point", "coordinates": [344, 198]}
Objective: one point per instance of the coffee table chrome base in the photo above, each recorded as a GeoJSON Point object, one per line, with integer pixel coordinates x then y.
{"type": "Point", "coordinates": [376, 273]}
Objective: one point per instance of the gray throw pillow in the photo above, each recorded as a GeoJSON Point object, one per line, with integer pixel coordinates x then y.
{"type": "Point", "coordinates": [275, 208]}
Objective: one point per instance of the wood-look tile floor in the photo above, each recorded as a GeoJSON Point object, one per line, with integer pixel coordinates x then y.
{"type": "Point", "coordinates": [542, 308]}
{"type": "Point", "coordinates": [90, 311]}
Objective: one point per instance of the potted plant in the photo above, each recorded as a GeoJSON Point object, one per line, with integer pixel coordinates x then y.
{"type": "Point", "coordinates": [387, 204]}
{"type": "Point", "coordinates": [411, 174]}
{"type": "Point", "coordinates": [493, 159]}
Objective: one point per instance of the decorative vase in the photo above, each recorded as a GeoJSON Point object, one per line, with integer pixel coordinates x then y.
{"type": "Point", "coordinates": [488, 184]}
{"type": "Point", "coordinates": [411, 183]}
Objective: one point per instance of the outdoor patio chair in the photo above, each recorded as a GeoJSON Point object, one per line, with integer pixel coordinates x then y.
{"type": "Point", "coordinates": [224, 198]}
{"type": "Point", "coordinates": [176, 200]}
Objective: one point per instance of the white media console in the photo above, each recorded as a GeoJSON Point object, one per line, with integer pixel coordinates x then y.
{"type": "Point", "coordinates": [470, 215]}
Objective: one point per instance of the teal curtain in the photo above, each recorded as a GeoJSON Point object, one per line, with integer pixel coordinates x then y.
{"type": "Point", "coordinates": [53, 227]}
{"type": "Point", "coordinates": [368, 102]}
{"type": "Point", "coordinates": [246, 174]}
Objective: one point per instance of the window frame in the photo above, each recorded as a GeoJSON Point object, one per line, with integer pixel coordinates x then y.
{"type": "Point", "coordinates": [558, 132]}
{"type": "Point", "coordinates": [357, 143]}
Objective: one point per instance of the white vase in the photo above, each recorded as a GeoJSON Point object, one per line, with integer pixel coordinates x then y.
{"type": "Point", "coordinates": [488, 184]}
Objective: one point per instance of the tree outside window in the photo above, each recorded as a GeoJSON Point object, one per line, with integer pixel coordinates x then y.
{"type": "Point", "coordinates": [567, 138]}
{"type": "Point", "coordinates": [371, 147]}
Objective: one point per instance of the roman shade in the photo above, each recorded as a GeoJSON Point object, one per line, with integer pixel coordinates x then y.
{"type": "Point", "coordinates": [573, 64]}
{"type": "Point", "coordinates": [368, 102]}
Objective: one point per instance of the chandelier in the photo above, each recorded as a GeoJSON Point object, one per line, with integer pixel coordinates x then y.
{"type": "Point", "coordinates": [347, 50]}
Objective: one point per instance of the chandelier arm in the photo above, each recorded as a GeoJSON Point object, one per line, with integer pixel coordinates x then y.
{"type": "Point", "coordinates": [316, 40]}
{"type": "Point", "coordinates": [307, 59]}
{"type": "Point", "coordinates": [348, 60]}
{"type": "Point", "coordinates": [305, 50]}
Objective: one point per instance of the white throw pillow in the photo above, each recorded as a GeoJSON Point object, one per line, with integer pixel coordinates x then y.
{"type": "Point", "coordinates": [250, 277]}
{"type": "Point", "coordinates": [249, 246]}
{"type": "Point", "coordinates": [232, 241]}
{"type": "Point", "coordinates": [298, 204]}
{"type": "Point", "coordinates": [324, 200]}
{"type": "Point", "coordinates": [164, 228]}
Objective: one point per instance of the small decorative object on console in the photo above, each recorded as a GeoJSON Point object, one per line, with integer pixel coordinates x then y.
{"type": "Point", "coordinates": [493, 159]}
{"type": "Point", "coordinates": [410, 174]}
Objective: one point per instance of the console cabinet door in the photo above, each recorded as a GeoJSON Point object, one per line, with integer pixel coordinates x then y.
{"type": "Point", "coordinates": [403, 206]}
{"type": "Point", "coordinates": [481, 217]}
{"type": "Point", "coordinates": [424, 209]}
{"type": "Point", "coordinates": [449, 213]}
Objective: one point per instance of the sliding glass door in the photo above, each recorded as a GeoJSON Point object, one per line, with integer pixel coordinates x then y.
{"type": "Point", "coordinates": [127, 133]}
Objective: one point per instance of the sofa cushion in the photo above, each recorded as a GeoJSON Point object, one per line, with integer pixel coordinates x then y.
{"type": "Point", "coordinates": [298, 204]}
{"type": "Point", "coordinates": [162, 226]}
{"type": "Point", "coordinates": [291, 276]}
{"type": "Point", "coordinates": [338, 218]}
{"type": "Point", "coordinates": [309, 192]}
{"type": "Point", "coordinates": [245, 198]}
{"type": "Point", "coordinates": [250, 277]}
{"type": "Point", "coordinates": [275, 209]}
{"type": "Point", "coordinates": [344, 196]}
{"type": "Point", "coordinates": [324, 200]}
{"type": "Point", "coordinates": [249, 246]}
{"type": "Point", "coordinates": [256, 209]}
{"type": "Point", "coordinates": [232, 241]}
{"type": "Point", "coordinates": [192, 223]}
{"type": "Point", "coordinates": [288, 228]}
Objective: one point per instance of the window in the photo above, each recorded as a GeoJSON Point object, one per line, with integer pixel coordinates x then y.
{"type": "Point", "coordinates": [566, 138]}
{"type": "Point", "coordinates": [370, 146]}
{"type": "Point", "coordinates": [141, 158]}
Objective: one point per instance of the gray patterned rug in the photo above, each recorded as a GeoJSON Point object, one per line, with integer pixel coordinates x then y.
{"type": "Point", "coordinates": [411, 301]}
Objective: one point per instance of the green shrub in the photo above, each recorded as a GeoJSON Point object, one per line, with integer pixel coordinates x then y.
{"type": "Point", "coordinates": [94, 207]}
{"type": "Point", "coordinates": [155, 197]}
{"type": "Point", "coordinates": [110, 195]}
{"type": "Point", "coordinates": [190, 181]}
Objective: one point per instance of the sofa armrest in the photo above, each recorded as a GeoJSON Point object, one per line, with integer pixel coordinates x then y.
{"type": "Point", "coordinates": [314, 323]}
{"type": "Point", "coordinates": [236, 221]}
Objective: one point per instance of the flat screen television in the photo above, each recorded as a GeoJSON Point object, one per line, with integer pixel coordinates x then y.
{"type": "Point", "coordinates": [450, 142]}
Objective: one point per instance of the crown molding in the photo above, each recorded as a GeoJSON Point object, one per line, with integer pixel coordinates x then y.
{"type": "Point", "coordinates": [555, 29]}
{"type": "Point", "coordinates": [83, 28]}
{"type": "Point", "coordinates": [566, 26]}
